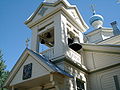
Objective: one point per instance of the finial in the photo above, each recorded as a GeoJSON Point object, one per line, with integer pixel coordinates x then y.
{"type": "Point", "coordinates": [27, 42]}
{"type": "Point", "coordinates": [93, 9]}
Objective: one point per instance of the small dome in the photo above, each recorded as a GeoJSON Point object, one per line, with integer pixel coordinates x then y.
{"type": "Point", "coordinates": [96, 17]}
{"type": "Point", "coordinates": [96, 21]}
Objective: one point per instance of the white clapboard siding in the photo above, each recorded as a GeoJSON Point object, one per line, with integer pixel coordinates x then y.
{"type": "Point", "coordinates": [104, 80]}
{"type": "Point", "coordinates": [105, 59]}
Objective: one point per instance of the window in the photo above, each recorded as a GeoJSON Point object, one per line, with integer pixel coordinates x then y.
{"type": "Point", "coordinates": [80, 84]}
{"type": "Point", "coordinates": [116, 80]}
{"type": "Point", "coordinates": [27, 71]}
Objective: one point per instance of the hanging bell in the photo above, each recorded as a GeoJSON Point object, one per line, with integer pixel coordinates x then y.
{"type": "Point", "coordinates": [48, 35]}
{"type": "Point", "coordinates": [75, 45]}
{"type": "Point", "coordinates": [42, 41]}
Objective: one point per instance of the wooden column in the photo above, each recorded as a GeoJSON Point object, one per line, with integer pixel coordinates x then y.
{"type": "Point", "coordinates": [35, 40]}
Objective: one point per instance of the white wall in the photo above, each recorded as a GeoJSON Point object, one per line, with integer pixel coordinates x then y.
{"type": "Point", "coordinates": [95, 38]}
{"type": "Point", "coordinates": [37, 71]}
{"type": "Point", "coordinates": [104, 80]}
{"type": "Point", "coordinates": [101, 77]}
{"type": "Point", "coordinates": [98, 60]}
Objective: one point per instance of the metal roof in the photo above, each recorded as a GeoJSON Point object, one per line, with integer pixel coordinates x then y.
{"type": "Point", "coordinates": [50, 64]}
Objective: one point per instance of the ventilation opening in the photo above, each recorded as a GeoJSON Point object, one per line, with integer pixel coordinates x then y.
{"type": "Point", "coordinates": [46, 39]}
{"type": "Point", "coordinates": [80, 84]}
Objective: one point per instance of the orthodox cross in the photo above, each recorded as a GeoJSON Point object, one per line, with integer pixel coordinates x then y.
{"type": "Point", "coordinates": [27, 42]}
{"type": "Point", "coordinates": [93, 9]}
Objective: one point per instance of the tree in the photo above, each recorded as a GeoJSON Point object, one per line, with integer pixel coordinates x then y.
{"type": "Point", "coordinates": [3, 72]}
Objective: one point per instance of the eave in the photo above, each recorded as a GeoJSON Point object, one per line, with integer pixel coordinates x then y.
{"type": "Point", "coordinates": [99, 30]}
{"type": "Point", "coordinates": [106, 48]}
{"type": "Point", "coordinates": [58, 9]}
{"type": "Point", "coordinates": [62, 9]}
{"type": "Point", "coordinates": [49, 66]}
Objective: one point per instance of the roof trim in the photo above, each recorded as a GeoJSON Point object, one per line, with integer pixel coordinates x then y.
{"type": "Point", "coordinates": [51, 14]}
{"type": "Point", "coordinates": [106, 48]}
{"type": "Point", "coordinates": [9, 79]}
{"type": "Point", "coordinates": [39, 58]}
{"type": "Point", "coordinates": [50, 64]}
{"type": "Point", "coordinates": [53, 5]}
{"type": "Point", "coordinates": [44, 4]}
{"type": "Point", "coordinates": [103, 29]}
{"type": "Point", "coordinates": [111, 39]}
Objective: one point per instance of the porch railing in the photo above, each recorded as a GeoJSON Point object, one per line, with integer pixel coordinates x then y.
{"type": "Point", "coordinates": [49, 53]}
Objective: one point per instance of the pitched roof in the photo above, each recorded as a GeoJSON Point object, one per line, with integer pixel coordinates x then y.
{"type": "Point", "coordinates": [39, 58]}
{"type": "Point", "coordinates": [53, 5]}
{"type": "Point", "coordinates": [45, 4]}
{"type": "Point", "coordinates": [50, 64]}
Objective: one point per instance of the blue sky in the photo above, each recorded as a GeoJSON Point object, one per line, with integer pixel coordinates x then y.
{"type": "Point", "coordinates": [13, 13]}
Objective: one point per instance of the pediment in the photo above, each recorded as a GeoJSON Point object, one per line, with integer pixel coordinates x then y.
{"type": "Point", "coordinates": [74, 12]}
{"type": "Point", "coordinates": [48, 9]}
{"type": "Point", "coordinates": [30, 69]}
{"type": "Point", "coordinates": [27, 68]}
{"type": "Point", "coordinates": [43, 11]}
{"type": "Point", "coordinates": [32, 65]}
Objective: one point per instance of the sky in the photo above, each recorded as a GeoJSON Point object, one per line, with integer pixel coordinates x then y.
{"type": "Point", "coordinates": [13, 31]}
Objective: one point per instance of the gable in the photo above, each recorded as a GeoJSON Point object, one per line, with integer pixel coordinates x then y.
{"type": "Point", "coordinates": [46, 10]}
{"type": "Point", "coordinates": [38, 70]}
{"type": "Point", "coordinates": [43, 11]}
{"type": "Point", "coordinates": [76, 15]}
{"type": "Point", "coordinates": [38, 66]}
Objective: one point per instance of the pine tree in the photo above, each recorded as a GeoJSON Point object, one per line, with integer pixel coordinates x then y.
{"type": "Point", "coordinates": [3, 72]}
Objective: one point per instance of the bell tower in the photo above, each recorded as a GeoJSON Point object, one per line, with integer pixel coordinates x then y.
{"type": "Point", "coordinates": [68, 63]}
{"type": "Point", "coordinates": [59, 26]}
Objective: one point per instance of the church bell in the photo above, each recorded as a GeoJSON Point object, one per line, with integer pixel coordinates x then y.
{"type": "Point", "coordinates": [48, 35]}
{"type": "Point", "coordinates": [42, 41]}
{"type": "Point", "coordinates": [75, 45]}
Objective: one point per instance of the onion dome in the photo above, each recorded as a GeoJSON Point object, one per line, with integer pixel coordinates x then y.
{"type": "Point", "coordinates": [96, 21]}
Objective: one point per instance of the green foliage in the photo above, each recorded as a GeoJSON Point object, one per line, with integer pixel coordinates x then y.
{"type": "Point", "coordinates": [3, 72]}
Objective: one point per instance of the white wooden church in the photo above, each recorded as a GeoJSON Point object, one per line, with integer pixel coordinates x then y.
{"type": "Point", "coordinates": [74, 60]}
